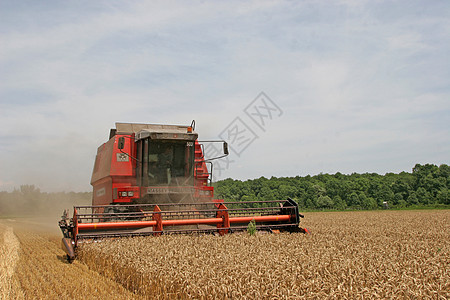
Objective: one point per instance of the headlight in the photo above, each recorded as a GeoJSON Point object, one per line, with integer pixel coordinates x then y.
{"type": "Point", "coordinates": [124, 194]}
{"type": "Point", "coordinates": [130, 194]}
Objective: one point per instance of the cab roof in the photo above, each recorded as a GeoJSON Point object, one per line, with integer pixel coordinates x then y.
{"type": "Point", "coordinates": [156, 131]}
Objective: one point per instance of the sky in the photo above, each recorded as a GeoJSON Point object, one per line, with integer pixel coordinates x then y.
{"type": "Point", "coordinates": [295, 87]}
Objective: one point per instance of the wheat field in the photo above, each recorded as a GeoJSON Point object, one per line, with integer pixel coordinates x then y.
{"type": "Point", "coordinates": [350, 255]}
{"type": "Point", "coordinates": [353, 255]}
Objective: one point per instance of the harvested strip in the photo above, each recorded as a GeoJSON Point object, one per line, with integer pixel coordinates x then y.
{"type": "Point", "coordinates": [42, 272]}
{"type": "Point", "coordinates": [9, 256]}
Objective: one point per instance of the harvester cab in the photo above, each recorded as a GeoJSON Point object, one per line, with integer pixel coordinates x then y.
{"type": "Point", "coordinates": [154, 179]}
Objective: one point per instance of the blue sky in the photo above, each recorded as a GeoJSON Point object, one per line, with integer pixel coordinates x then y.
{"type": "Point", "coordinates": [362, 86]}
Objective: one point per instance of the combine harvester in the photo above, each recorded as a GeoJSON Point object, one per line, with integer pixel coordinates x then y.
{"type": "Point", "coordinates": [153, 179]}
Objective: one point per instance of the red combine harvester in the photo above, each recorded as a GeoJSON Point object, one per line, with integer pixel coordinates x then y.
{"type": "Point", "coordinates": [153, 179]}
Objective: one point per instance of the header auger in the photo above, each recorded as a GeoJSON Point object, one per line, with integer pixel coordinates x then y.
{"type": "Point", "coordinates": [152, 180]}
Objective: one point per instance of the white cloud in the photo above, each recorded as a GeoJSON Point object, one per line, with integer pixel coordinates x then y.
{"type": "Point", "coordinates": [359, 82]}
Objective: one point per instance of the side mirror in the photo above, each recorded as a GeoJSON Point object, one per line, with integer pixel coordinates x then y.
{"type": "Point", "coordinates": [121, 143]}
{"type": "Point", "coordinates": [225, 148]}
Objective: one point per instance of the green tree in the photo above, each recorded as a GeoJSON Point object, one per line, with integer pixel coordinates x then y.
{"type": "Point", "coordinates": [324, 202]}
{"type": "Point", "coordinates": [369, 203]}
{"type": "Point", "coordinates": [354, 200]}
{"type": "Point", "coordinates": [443, 196]}
{"type": "Point", "coordinates": [339, 203]}
{"type": "Point", "coordinates": [423, 196]}
{"type": "Point", "coordinates": [412, 199]}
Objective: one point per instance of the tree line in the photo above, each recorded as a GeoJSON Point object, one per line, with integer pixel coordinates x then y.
{"type": "Point", "coordinates": [427, 185]}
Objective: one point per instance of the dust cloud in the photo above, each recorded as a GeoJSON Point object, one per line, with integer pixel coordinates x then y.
{"type": "Point", "coordinates": [40, 210]}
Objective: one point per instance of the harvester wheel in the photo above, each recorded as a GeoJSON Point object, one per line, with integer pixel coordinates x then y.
{"type": "Point", "coordinates": [69, 260]}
